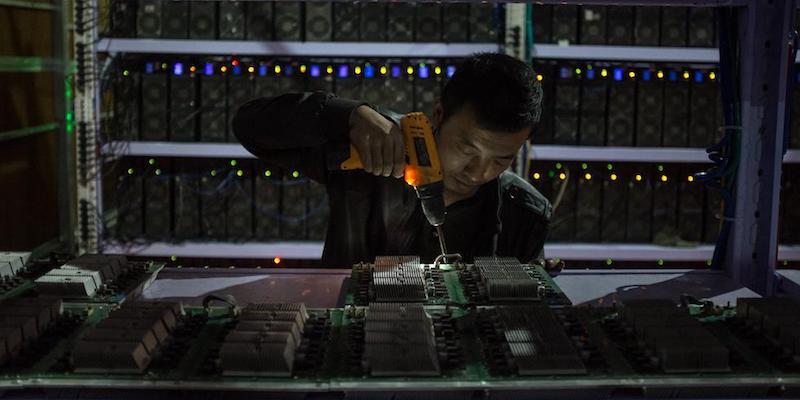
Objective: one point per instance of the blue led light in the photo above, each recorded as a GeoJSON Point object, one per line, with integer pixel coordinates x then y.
{"type": "Point", "coordinates": [208, 69]}
{"type": "Point", "coordinates": [177, 69]}
{"type": "Point", "coordinates": [237, 70]}
{"type": "Point", "coordinates": [563, 72]}
{"type": "Point", "coordinates": [617, 74]}
{"type": "Point", "coordinates": [148, 68]}
{"type": "Point", "coordinates": [424, 71]}
{"type": "Point", "coordinates": [698, 76]}
{"type": "Point", "coordinates": [673, 75]}
{"type": "Point", "coordinates": [288, 70]}
{"type": "Point", "coordinates": [369, 71]}
{"type": "Point", "coordinates": [343, 71]}
{"type": "Point", "coordinates": [262, 70]}
{"type": "Point", "coordinates": [451, 69]}
{"type": "Point", "coordinates": [315, 71]}
{"type": "Point", "coordinates": [590, 73]}
{"type": "Point", "coordinates": [395, 71]}
{"type": "Point", "coordinates": [646, 74]}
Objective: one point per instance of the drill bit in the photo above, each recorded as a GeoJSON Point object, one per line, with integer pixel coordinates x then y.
{"type": "Point", "coordinates": [440, 233]}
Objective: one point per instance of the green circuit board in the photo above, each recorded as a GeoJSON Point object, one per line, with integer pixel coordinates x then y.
{"type": "Point", "coordinates": [469, 361]}
{"type": "Point", "coordinates": [458, 337]}
{"type": "Point", "coordinates": [454, 284]}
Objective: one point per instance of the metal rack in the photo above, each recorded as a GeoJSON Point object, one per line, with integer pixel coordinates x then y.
{"type": "Point", "coordinates": [750, 261]}
{"type": "Point", "coordinates": [304, 250]}
{"type": "Point", "coordinates": [305, 49]}
{"type": "Point", "coordinates": [60, 65]}
{"type": "Point", "coordinates": [537, 152]}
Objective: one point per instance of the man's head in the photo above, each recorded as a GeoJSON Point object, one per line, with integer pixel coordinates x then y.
{"type": "Point", "coordinates": [486, 112]}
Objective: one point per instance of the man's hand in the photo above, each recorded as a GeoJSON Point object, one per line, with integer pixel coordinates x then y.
{"type": "Point", "coordinates": [379, 142]}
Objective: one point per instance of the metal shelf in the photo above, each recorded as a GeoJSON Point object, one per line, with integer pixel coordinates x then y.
{"type": "Point", "coordinates": [645, 252]}
{"type": "Point", "coordinates": [404, 49]}
{"type": "Point", "coordinates": [256, 48]}
{"type": "Point", "coordinates": [625, 53]}
{"type": "Point", "coordinates": [537, 152]}
{"type": "Point", "coordinates": [618, 154]}
{"type": "Point", "coordinates": [288, 250]}
{"type": "Point", "coordinates": [177, 149]}
{"type": "Point", "coordinates": [313, 250]}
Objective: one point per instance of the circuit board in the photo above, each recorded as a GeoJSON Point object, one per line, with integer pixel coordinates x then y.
{"type": "Point", "coordinates": [128, 281]}
{"type": "Point", "coordinates": [493, 346]}
{"type": "Point", "coordinates": [487, 281]}
{"type": "Point", "coordinates": [514, 341]}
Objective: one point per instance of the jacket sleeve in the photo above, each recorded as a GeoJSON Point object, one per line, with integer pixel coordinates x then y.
{"type": "Point", "coordinates": [296, 130]}
{"type": "Point", "coordinates": [525, 220]}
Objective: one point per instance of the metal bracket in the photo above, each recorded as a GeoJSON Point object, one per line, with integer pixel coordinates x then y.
{"type": "Point", "coordinates": [764, 58]}
{"type": "Point", "coordinates": [18, 133]}
{"type": "Point", "coordinates": [87, 175]}
{"type": "Point", "coordinates": [29, 4]}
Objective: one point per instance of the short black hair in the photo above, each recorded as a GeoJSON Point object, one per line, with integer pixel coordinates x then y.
{"type": "Point", "coordinates": [502, 91]}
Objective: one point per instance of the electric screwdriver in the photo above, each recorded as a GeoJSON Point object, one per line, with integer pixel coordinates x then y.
{"type": "Point", "coordinates": [422, 170]}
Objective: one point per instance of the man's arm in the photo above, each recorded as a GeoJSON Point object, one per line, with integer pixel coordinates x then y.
{"type": "Point", "coordinates": [303, 130]}
{"type": "Point", "coordinates": [295, 130]}
{"type": "Point", "coordinates": [526, 219]}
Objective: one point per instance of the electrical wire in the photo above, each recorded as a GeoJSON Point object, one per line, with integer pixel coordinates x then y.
{"type": "Point", "coordinates": [725, 154]}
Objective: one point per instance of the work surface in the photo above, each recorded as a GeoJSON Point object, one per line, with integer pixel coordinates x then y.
{"type": "Point", "coordinates": [326, 287]}
{"type": "Point", "coordinates": [498, 329]}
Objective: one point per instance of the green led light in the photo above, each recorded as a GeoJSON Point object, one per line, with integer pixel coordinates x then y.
{"type": "Point", "coordinates": [268, 173]}
{"type": "Point", "coordinates": [609, 167]}
{"type": "Point", "coordinates": [173, 258]}
{"type": "Point", "coordinates": [158, 171]}
{"type": "Point", "coordinates": [558, 165]}
{"type": "Point", "coordinates": [130, 171]}
{"type": "Point", "coordinates": [660, 262]}
{"type": "Point", "coordinates": [151, 161]}
{"type": "Point", "coordinates": [589, 67]}
{"type": "Point", "coordinates": [239, 173]}
{"type": "Point", "coordinates": [708, 262]}
{"type": "Point", "coordinates": [68, 125]}
{"type": "Point", "coordinates": [295, 174]}
{"type": "Point", "coordinates": [126, 72]}
{"type": "Point", "coordinates": [609, 262]}
{"type": "Point", "coordinates": [577, 71]}
{"type": "Point", "coordinates": [551, 174]}
{"type": "Point", "coordinates": [584, 166]}
{"type": "Point", "coordinates": [213, 172]}
{"type": "Point", "coordinates": [233, 163]}
{"type": "Point", "coordinates": [660, 168]}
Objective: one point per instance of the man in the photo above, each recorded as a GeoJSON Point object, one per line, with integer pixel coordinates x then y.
{"type": "Point", "coordinates": [485, 113]}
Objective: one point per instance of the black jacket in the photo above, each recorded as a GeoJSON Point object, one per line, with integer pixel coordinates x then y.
{"type": "Point", "coordinates": [369, 215]}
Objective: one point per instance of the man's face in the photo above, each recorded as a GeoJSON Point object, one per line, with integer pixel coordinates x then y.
{"type": "Point", "coordinates": [470, 155]}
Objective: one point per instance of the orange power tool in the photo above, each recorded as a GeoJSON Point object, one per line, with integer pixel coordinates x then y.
{"type": "Point", "coordinates": [422, 171]}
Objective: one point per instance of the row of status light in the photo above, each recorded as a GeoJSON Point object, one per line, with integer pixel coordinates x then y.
{"type": "Point", "coordinates": [235, 67]}
{"type": "Point", "coordinates": [611, 174]}
{"type": "Point", "coordinates": [295, 174]}
{"type": "Point", "coordinates": [275, 260]}
{"type": "Point", "coordinates": [619, 74]}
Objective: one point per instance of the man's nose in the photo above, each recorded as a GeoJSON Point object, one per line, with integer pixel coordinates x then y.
{"type": "Point", "coordinates": [476, 170]}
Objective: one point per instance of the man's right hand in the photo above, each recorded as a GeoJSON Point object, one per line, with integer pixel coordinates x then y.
{"type": "Point", "coordinates": [379, 142]}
